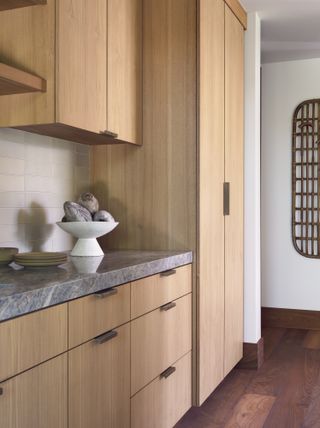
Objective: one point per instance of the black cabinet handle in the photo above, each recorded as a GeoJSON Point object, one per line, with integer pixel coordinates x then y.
{"type": "Point", "coordinates": [106, 293]}
{"type": "Point", "coordinates": [167, 373]}
{"type": "Point", "coordinates": [226, 198]}
{"type": "Point", "coordinates": [106, 337]}
{"type": "Point", "coordinates": [168, 306]}
{"type": "Point", "coordinates": [1, 391]}
{"type": "Point", "coordinates": [168, 272]}
{"type": "Point", "coordinates": [109, 134]}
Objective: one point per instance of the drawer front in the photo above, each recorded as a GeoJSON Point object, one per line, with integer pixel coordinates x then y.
{"type": "Point", "coordinates": [36, 398]}
{"type": "Point", "coordinates": [99, 381]}
{"type": "Point", "coordinates": [149, 293]}
{"type": "Point", "coordinates": [158, 339]}
{"type": "Point", "coordinates": [31, 339]}
{"type": "Point", "coordinates": [93, 315]}
{"type": "Point", "coordinates": [165, 400]}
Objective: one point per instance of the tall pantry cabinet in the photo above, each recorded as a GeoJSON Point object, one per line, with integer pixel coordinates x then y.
{"type": "Point", "coordinates": [220, 231]}
{"type": "Point", "coordinates": [184, 187]}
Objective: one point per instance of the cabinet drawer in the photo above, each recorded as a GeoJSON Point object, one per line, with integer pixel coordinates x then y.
{"type": "Point", "coordinates": [36, 398]}
{"type": "Point", "coordinates": [158, 339]}
{"type": "Point", "coordinates": [165, 400]}
{"type": "Point", "coordinates": [149, 293]}
{"type": "Point", "coordinates": [31, 339]}
{"type": "Point", "coordinates": [99, 381]}
{"type": "Point", "coordinates": [93, 315]}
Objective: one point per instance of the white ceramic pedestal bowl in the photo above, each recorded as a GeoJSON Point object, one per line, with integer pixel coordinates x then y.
{"type": "Point", "coordinates": [87, 233]}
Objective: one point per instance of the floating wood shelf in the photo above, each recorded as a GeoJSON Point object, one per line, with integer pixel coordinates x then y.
{"type": "Point", "coordinates": [15, 4]}
{"type": "Point", "coordinates": [15, 81]}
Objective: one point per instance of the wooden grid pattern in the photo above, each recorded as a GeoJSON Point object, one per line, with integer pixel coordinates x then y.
{"type": "Point", "coordinates": [305, 179]}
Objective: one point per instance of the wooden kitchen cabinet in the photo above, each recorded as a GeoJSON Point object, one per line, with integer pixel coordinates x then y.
{"type": "Point", "coordinates": [99, 382]}
{"type": "Point", "coordinates": [36, 398]}
{"type": "Point", "coordinates": [171, 193]}
{"type": "Point", "coordinates": [158, 339]}
{"type": "Point", "coordinates": [89, 53]}
{"type": "Point", "coordinates": [31, 339]}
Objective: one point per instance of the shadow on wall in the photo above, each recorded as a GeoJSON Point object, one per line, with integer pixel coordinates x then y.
{"type": "Point", "coordinates": [38, 231]}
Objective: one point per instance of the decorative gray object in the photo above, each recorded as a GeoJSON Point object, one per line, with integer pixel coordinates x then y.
{"type": "Point", "coordinates": [89, 201]}
{"type": "Point", "coordinates": [24, 291]}
{"type": "Point", "coordinates": [76, 212]}
{"type": "Point", "coordinates": [103, 215]}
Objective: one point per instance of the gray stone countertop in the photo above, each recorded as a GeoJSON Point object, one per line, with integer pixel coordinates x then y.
{"type": "Point", "coordinates": [24, 290]}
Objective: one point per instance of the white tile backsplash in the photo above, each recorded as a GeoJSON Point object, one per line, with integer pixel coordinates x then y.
{"type": "Point", "coordinates": [37, 175]}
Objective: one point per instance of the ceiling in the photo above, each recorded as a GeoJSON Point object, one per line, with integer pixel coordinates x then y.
{"type": "Point", "coordinates": [290, 28]}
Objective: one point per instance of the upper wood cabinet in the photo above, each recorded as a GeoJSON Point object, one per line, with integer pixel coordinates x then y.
{"type": "Point", "coordinates": [89, 52]}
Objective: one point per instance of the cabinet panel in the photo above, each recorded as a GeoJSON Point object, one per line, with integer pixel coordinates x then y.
{"type": "Point", "coordinates": [234, 174]}
{"type": "Point", "coordinates": [149, 293]}
{"type": "Point", "coordinates": [99, 383]}
{"type": "Point", "coordinates": [124, 91]}
{"type": "Point", "coordinates": [32, 339]}
{"type": "Point", "coordinates": [82, 64]}
{"type": "Point", "coordinates": [165, 400]}
{"type": "Point", "coordinates": [98, 313]}
{"type": "Point", "coordinates": [157, 340]}
{"type": "Point", "coordinates": [211, 178]}
{"type": "Point", "coordinates": [27, 41]}
{"type": "Point", "coordinates": [36, 398]}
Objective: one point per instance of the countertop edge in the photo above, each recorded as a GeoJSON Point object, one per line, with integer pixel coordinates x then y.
{"type": "Point", "coordinates": [33, 300]}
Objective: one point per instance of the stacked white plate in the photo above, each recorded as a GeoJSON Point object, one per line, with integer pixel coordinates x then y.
{"type": "Point", "coordinates": [40, 259]}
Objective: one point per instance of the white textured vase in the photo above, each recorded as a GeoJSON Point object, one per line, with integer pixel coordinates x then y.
{"type": "Point", "coordinates": [87, 234]}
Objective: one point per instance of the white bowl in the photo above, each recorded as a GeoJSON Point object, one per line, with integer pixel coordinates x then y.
{"type": "Point", "coordinates": [87, 233]}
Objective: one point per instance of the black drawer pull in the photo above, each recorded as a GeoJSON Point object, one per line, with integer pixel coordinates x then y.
{"type": "Point", "coordinates": [168, 306]}
{"type": "Point", "coordinates": [109, 134]}
{"type": "Point", "coordinates": [168, 272]}
{"type": "Point", "coordinates": [106, 293]}
{"type": "Point", "coordinates": [167, 373]}
{"type": "Point", "coordinates": [1, 391]}
{"type": "Point", "coordinates": [106, 337]}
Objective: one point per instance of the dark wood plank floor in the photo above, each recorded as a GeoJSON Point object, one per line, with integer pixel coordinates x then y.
{"type": "Point", "coordinates": [284, 393]}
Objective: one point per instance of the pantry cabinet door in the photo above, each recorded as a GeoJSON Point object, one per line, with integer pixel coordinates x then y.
{"type": "Point", "coordinates": [211, 177]}
{"type": "Point", "coordinates": [234, 77]}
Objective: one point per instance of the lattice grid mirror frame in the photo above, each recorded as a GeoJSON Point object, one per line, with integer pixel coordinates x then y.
{"type": "Point", "coordinates": [306, 179]}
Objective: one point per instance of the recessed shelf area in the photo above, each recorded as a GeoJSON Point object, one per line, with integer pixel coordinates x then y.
{"type": "Point", "coordinates": [14, 4]}
{"type": "Point", "coordinates": [15, 81]}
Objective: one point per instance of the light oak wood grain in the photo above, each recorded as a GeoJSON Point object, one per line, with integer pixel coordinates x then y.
{"type": "Point", "coordinates": [124, 69]}
{"type": "Point", "coordinates": [99, 383]}
{"type": "Point", "coordinates": [238, 11]}
{"type": "Point", "coordinates": [36, 398]}
{"type": "Point", "coordinates": [81, 64]}
{"type": "Point", "coordinates": [149, 293]}
{"type": "Point", "coordinates": [210, 338]}
{"type": "Point", "coordinates": [234, 58]}
{"type": "Point", "coordinates": [27, 42]}
{"type": "Point", "coordinates": [158, 339]}
{"type": "Point", "coordinates": [91, 316]}
{"type": "Point", "coordinates": [15, 81]}
{"type": "Point", "coordinates": [32, 339]}
{"type": "Point", "coordinates": [13, 4]}
{"type": "Point", "coordinates": [151, 190]}
{"type": "Point", "coordinates": [164, 401]}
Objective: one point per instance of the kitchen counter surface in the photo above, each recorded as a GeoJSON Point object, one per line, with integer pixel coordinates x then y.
{"type": "Point", "coordinates": [26, 290]}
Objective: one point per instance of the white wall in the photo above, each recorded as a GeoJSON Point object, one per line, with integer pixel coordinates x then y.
{"type": "Point", "coordinates": [37, 174]}
{"type": "Point", "coordinates": [288, 279]}
{"type": "Point", "coordinates": [252, 272]}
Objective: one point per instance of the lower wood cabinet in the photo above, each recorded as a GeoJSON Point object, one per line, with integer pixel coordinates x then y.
{"type": "Point", "coordinates": [36, 398]}
{"type": "Point", "coordinates": [165, 400]}
{"type": "Point", "coordinates": [158, 339]}
{"type": "Point", "coordinates": [99, 382]}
